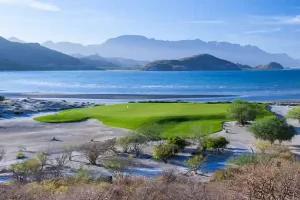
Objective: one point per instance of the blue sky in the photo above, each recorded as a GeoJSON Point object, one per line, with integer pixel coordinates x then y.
{"type": "Point", "coordinates": [273, 25]}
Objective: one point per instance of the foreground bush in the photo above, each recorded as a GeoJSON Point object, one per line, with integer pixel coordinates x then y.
{"type": "Point", "coordinates": [274, 180]}
{"type": "Point", "coordinates": [270, 180]}
{"type": "Point", "coordinates": [164, 151]}
{"type": "Point", "coordinates": [217, 143]}
{"type": "Point", "coordinates": [249, 159]}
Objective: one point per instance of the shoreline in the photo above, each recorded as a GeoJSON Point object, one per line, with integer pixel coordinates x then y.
{"type": "Point", "coordinates": [112, 96]}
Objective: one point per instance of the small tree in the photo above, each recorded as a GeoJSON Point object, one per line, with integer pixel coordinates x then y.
{"type": "Point", "coordinates": [23, 171]}
{"type": "Point", "coordinates": [133, 142]}
{"type": "Point", "coordinates": [195, 162]}
{"type": "Point", "coordinates": [93, 150]}
{"type": "Point", "coordinates": [118, 166]}
{"type": "Point", "coordinates": [198, 134]}
{"type": "Point", "coordinates": [178, 141]}
{"type": "Point", "coordinates": [217, 143]}
{"type": "Point", "coordinates": [242, 111]}
{"type": "Point", "coordinates": [164, 151]}
{"type": "Point", "coordinates": [294, 113]}
{"type": "Point", "coordinates": [272, 129]}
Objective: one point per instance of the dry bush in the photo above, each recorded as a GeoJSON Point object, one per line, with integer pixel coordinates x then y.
{"type": "Point", "coordinates": [273, 180]}
{"type": "Point", "coordinates": [93, 150]}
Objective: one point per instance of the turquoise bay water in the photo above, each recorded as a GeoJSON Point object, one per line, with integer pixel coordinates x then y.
{"type": "Point", "coordinates": [251, 85]}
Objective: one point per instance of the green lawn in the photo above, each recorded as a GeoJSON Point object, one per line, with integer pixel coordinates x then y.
{"type": "Point", "coordinates": [174, 118]}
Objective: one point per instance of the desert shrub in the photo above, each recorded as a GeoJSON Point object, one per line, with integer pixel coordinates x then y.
{"type": "Point", "coordinates": [272, 129]}
{"type": "Point", "coordinates": [217, 143]}
{"type": "Point", "coordinates": [164, 151]}
{"type": "Point", "coordinates": [225, 174]}
{"type": "Point", "coordinates": [262, 145]}
{"type": "Point", "coordinates": [133, 142]}
{"type": "Point", "coordinates": [58, 163]}
{"type": "Point", "coordinates": [281, 152]}
{"type": "Point", "coordinates": [178, 141]}
{"type": "Point", "coordinates": [195, 162]}
{"type": "Point", "coordinates": [270, 180]}
{"type": "Point", "coordinates": [247, 159]}
{"type": "Point", "coordinates": [93, 150]}
{"type": "Point", "coordinates": [294, 113]}
{"type": "Point", "coordinates": [2, 98]}
{"type": "Point", "coordinates": [118, 166]}
{"type": "Point", "coordinates": [243, 111]}
{"type": "Point", "coordinates": [20, 155]}
{"type": "Point", "coordinates": [30, 168]}
{"type": "Point", "coordinates": [83, 175]}
{"type": "Point", "coordinates": [169, 175]}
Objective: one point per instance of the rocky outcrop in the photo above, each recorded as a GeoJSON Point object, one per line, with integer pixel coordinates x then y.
{"type": "Point", "coordinates": [271, 65]}
{"type": "Point", "coordinates": [28, 106]}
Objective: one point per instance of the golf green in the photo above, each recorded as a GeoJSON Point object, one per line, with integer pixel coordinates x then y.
{"type": "Point", "coordinates": [174, 118]}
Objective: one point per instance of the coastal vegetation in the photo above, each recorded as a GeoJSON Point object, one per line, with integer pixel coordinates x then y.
{"type": "Point", "coordinates": [272, 129]}
{"type": "Point", "coordinates": [174, 119]}
{"type": "Point", "coordinates": [243, 111]}
{"type": "Point", "coordinates": [294, 113]}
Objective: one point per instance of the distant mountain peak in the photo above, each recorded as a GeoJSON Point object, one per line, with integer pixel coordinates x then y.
{"type": "Point", "coordinates": [14, 39]}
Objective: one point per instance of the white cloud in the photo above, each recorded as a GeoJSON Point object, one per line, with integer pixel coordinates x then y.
{"type": "Point", "coordinates": [32, 4]}
{"type": "Point", "coordinates": [293, 20]}
{"type": "Point", "coordinates": [205, 22]}
{"type": "Point", "coordinates": [263, 31]}
{"type": "Point", "coordinates": [275, 20]}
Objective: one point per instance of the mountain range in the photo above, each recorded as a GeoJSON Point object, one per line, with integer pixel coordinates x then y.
{"type": "Point", "coordinates": [137, 47]}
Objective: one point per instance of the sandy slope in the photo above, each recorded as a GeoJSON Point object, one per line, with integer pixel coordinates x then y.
{"type": "Point", "coordinates": [25, 133]}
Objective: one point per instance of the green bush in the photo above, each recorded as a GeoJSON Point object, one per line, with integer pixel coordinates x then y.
{"type": "Point", "coordinates": [249, 159]}
{"type": "Point", "coordinates": [195, 162]}
{"type": "Point", "coordinates": [217, 143]}
{"type": "Point", "coordinates": [164, 151]}
{"type": "Point", "coordinates": [133, 142]}
{"type": "Point", "coordinates": [2, 98]}
{"type": "Point", "coordinates": [243, 111]}
{"type": "Point", "coordinates": [178, 141]}
{"type": "Point", "coordinates": [272, 128]}
{"type": "Point", "coordinates": [20, 155]}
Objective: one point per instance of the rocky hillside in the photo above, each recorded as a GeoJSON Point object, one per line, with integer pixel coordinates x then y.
{"type": "Point", "coordinates": [33, 56]}
{"type": "Point", "coordinates": [194, 63]}
{"type": "Point", "coordinates": [271, 65]}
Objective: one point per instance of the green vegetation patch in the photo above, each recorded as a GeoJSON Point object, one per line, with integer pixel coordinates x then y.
{"type": "Point", "coordinates": [176, 119]}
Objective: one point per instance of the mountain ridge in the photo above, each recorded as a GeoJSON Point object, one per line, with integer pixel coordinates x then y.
{"type": "Point", "coordinates": [138, 47]}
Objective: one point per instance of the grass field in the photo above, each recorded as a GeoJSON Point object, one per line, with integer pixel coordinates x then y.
{"type": "Point", "coordinates": [174, 118]}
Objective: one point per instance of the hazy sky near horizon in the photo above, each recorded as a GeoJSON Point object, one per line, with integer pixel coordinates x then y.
{"type": "Point", "coordinates": [273, 25]}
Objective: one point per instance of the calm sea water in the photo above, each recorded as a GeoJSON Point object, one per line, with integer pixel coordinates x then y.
{"type": "Point", "coordinates": [251, 85]}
